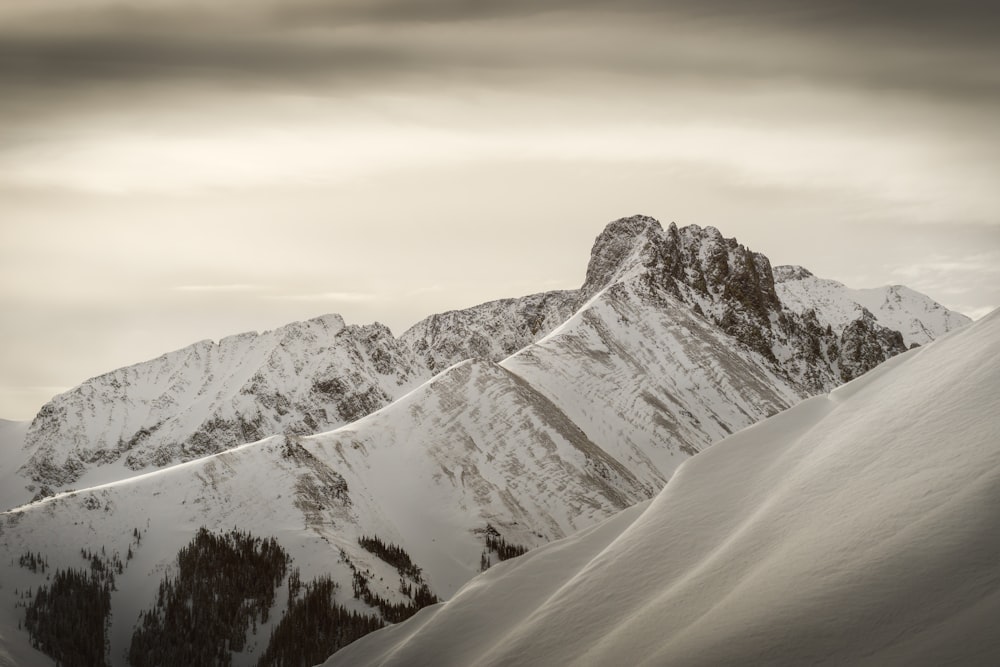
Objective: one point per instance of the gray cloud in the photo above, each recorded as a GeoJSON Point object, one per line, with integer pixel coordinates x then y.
{"type": "Point", "coordinates": [59, 59]}
{"type": "Point", "coordinates": [924, 47]}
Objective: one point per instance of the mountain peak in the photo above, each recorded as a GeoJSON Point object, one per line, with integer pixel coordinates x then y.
{"type": "Point", "coordinates": [632, 226]}
{"type": "Point", "coordinates": [621, 240]}
{"type": "Point", "coordinates": [790, 272]}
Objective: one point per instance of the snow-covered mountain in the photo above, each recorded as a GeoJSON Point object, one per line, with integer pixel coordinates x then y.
{"type": "Point", "coordinates": [916, 316]}
{"type": "Point", "coordinates": [208, 397]}
{"type": "Point", "coordinates": [12, 457]}
{"type": "Point", "coordinates": [309, 377]}
{"type": "Point", "coordinates": [306, 377]}
{"type": "Point", "coordinates": [855, 528]}
{"type": "Point", "coordinates": [573, 406]}
{"type": "Point", "coordinates": [492, 330]}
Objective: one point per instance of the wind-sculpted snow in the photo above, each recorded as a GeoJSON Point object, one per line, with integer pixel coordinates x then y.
{"type": "Point", "coordinates": [855, 528]}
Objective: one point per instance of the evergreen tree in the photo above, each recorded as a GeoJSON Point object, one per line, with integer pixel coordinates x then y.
{"type": "Point", "coordinates": [225, 585]}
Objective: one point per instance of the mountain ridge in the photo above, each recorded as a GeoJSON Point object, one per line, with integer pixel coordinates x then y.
{"type": "Point", "coordinates": [316, 375]}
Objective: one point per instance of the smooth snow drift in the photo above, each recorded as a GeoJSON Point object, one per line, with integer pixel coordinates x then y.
{"type": "Point", "coordinates": [855, 528]}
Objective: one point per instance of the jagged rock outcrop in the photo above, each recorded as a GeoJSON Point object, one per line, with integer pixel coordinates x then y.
{"type": "Point", "coordinates": [736, 289]}
{"type": "Point", "coordinates": [492, 330]}
{"type": "Point", "coordinates": [865, 344]}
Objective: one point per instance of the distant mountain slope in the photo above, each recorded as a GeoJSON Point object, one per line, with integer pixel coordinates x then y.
{"type": "Point", "coordinates": [917, 317]}
{"type": "Point", "coordinates": [12, 457]}
{"type": "Point", "coordinates": [301, 378]}
{"type": "Point", "coordinates": [491, 330]}
{"type": "Point", "coordinates": [855, 528]}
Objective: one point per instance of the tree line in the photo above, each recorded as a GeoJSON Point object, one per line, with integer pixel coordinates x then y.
{"type": "Point", "coordinates": [496, 544]}
{"type": "Point", "coordinates": [225, 584]}
{"type": "Point", "coordinates": [419, 594]}
{"type": "Point", "coordinates": [33, 561]}
{"type": "Point", "coordinates": [68, 619]}
{"type": "Point", "coordinates": [314, 627]}
{"type": "Point", "coordinates": [393, 555]}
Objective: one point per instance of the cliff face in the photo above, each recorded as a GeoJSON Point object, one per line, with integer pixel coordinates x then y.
{"type": "Point", "coordinates": [736, 289]}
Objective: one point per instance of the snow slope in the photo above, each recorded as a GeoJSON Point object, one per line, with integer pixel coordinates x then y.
{"type": "Point", "coordinates": [855, 528]}
{"type": "Point", "coordinates": [918, 317]}
{"type": "Point", "coordinates": [306, 377]}
{"type": "Point", "coordinates": [492, 330]}
{"type": "Point", "coordinates": [12, 457]}
{"type": "Point", "coordinates": [207, 397]}
{"type": "Point", "coordinates": [650, 385]}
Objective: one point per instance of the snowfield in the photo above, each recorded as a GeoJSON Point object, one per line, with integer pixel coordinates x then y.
{"type": "Point", "coordinates": [855, 528]}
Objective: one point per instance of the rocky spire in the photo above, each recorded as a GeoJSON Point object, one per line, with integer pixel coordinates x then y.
{"type": "Point", "coordinates": [618, 248]}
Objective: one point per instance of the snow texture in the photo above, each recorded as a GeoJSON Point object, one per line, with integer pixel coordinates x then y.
{"type": "Point", "coordinates": [855, 528]}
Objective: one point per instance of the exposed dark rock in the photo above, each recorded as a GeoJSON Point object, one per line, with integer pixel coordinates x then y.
{"type": "Point", "coordinates": [864, 345]}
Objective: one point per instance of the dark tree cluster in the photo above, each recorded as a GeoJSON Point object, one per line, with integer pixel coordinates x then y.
{"type": "Point", "coordinates": [392, 612]}
{"type": "Point", "coordinates": [314, 627]}
{"type": "Point", "coordinates": [137, 541]}
{"type": "Point", "coordinates": [34, 562]}
{"type": "Point", "coordinates": [103, 564]}
{"type": "Point", "coordinates": [225, 584]}
{"type": "Point", "coordinates": [68, 619]}
{"type": "Point", "coordinates": [294, 586]}
{"type": "Point", "coordinates": [393, 555]}
{"type": "Point", "coordinates": [496, 544]}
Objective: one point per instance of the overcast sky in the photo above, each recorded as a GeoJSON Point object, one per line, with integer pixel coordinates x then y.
{"type": "Point", "coordinates": [173, 170]}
